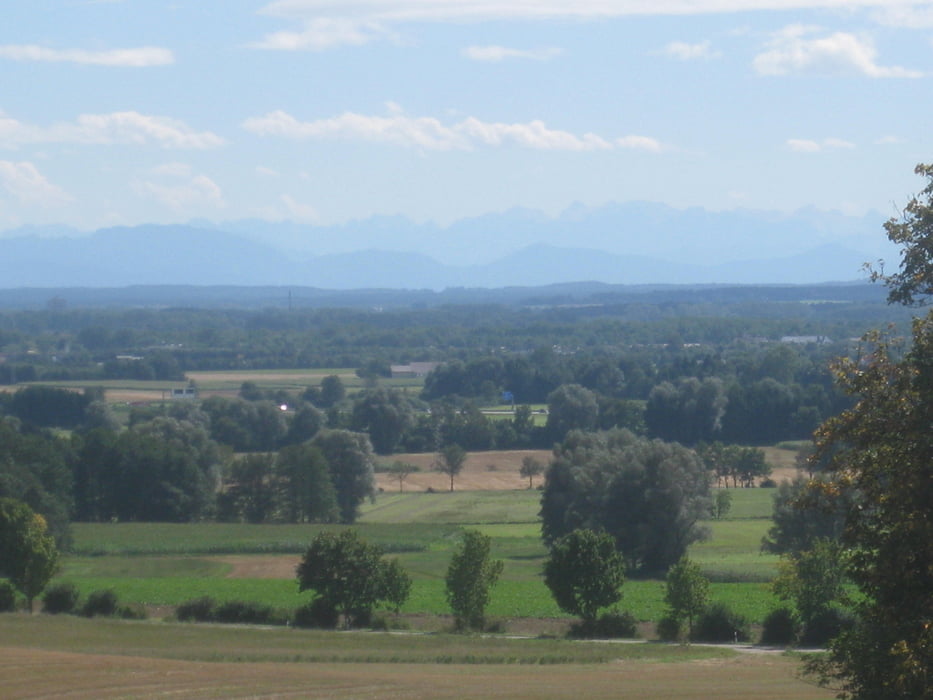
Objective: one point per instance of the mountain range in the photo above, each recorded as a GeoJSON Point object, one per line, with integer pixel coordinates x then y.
{"type": "Point", "coordinates": [633, 243]}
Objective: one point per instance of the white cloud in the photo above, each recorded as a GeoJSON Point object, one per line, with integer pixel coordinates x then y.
{"type": "Point", "coordinates": [263, 171]}
{"type": "Point", "coordinates": [321, 34]}
{"type": "Point", "coordinates": [640, 143]}
{"type": "Point", "coordinates": [810, 146]}
{"type": "Point", "coordinates": [109, 129]}
{"type": "Point", "coordinates": [178, 188]}
{"type": "Point", "coordinates": [430, 133]}
{"type": "Point", "coordinates": [792, 51]}
{"type": "Point", "coordinates": [326, 24]}
{"type": "Point", "coordinates": [24, 182]}
{"type": "Point", "coordinates": [493, 54]}
{"type": "Point", "coordinates": [889, 140]}
{"type": "Point", "coordinates": [906, 15]}
{"type": "Point", "coordinates": [690, 52]}
{"type": "Point", "coordinates": [141, 57]}
{"type": "Point", "coordinates": [480, 10]}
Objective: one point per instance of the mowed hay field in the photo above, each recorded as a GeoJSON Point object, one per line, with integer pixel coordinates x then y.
{"type": "Point", "coordinates": [499, 470]}
{"type": "Point", "coordinates": [482, 471]}
{"type": "Point", "coordinates": [88, 659]}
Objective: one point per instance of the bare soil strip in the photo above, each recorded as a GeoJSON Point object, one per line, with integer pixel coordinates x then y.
{"type": "Point", "coordinates": [267, 566]}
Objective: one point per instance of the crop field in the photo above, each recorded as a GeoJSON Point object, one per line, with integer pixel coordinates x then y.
{"type": "Point", "coordinates": [66, 656]}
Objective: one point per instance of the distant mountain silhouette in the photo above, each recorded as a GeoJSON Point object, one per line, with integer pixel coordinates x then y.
{"type": "Point", "coordinates": [634, 243]}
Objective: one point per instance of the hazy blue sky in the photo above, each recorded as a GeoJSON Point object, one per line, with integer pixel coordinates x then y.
{"type": "Point", "coordinates": [320, 111]}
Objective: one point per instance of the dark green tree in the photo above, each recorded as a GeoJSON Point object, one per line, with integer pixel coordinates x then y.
{"type": "Point", "coordinates": [350, 576]}
{"type": "Point", "coordinates": [649, 495]}
{"type": "Point", "coordinates": [251, 489]}
{"type": "Point", "coordinates": [305, 487]}
{"type": "Point", "coordinates": [806, 510]}
{"type": "Point", "coordinates": [351, 462]}
{"type": "Point", "coordinates": [882, 449]}
{"type": "Point", "coordinates": [332, 391]}
{"type": "Point", "coordinates": [688, 412]}
{"type": "Point", "coordinates": [385, 414]}
{"type": "Point", "coordinates": [470, 576]}
{"type": "Point", "coordinates": [571, 407]}
{"type": "Point", "coordinates": [584, 573]}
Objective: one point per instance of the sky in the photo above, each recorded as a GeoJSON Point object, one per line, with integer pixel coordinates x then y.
{"type": "Point", "coordinates": [122, 112]}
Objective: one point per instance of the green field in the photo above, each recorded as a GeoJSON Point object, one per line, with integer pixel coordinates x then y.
{"type": "Point", "coordinates": [165, 564]}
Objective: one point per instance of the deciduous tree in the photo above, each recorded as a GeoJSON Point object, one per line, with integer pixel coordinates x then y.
{"type": "Point", "coordinates": [470, 576]}
{"type": "Point", "coordinates": [584, 573]}
{"type": "Point", "coordinates": [882, 448]}
{"type": "Point", "coordinates": [450, 461]}
{"type": "Point", "coordinates": [28, 556]}
{"type": "Point", "coordinates": [686, 592]}
{"type": "Point", "coordinates": [350, 459]}
{"type": "Point", "coordinates": [350, 575]}
{"type": "Point", "coordinates": [649, 495]}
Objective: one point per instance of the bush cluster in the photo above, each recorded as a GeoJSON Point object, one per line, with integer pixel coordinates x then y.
{"type": "Point", "coordinates": [610, 625]}
{"type": "Point", "coordinates": [719, 623]}
{"type": "Point", "coordinates": [235, 612]}
{"type": "Point", "coordinates": [780, 628]}
{"type": "Point", "coordinates": [64, 598]}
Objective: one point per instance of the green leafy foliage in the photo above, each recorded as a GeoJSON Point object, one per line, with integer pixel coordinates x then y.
{"type": "Point", "coordinates": [28, 555]}
{"type": "Point", "coordinates": [686, 592]}
{"type": "Point", "coordinates": [649, 495]}
{"type": "Point", "coordinates": [585, 573]}
{"type": "Point", "coordinates": [350, 458]}
{"type": "Point", "coordinates": [60, 598]}
{"type": "Point", "coordinates": [470, 576]}
{"type": "Point", "coordinates": [720, 623]}
{"type": "Point", "coordinates": [349, 576]}
{"type": "Point", "coordinates": [881, 449]}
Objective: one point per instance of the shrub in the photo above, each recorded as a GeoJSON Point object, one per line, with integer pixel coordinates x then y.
{"type": "Point", "coordinates": [244, 612]}
{"type": "Point", "coordinates": [780, 628]}
{"type": "Point", "coordinates": [318, 613]}
{"type": "Point", "coordinates": [62, 598]}
{"type": "Point", "coordinates": [196, 610]}
{"type": "Point", "coordinates": [7, 597]}
{"type": "Point", "coordinates": [719, 623]}
{"type": "Point", "coordinates": [668, 629]}
{"type": "Point", "coordinates": [611, 625]}
{"type": "Point", "coordinates": [824, 626]}
{"type": "Point", "coordinates": [102, 603]}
